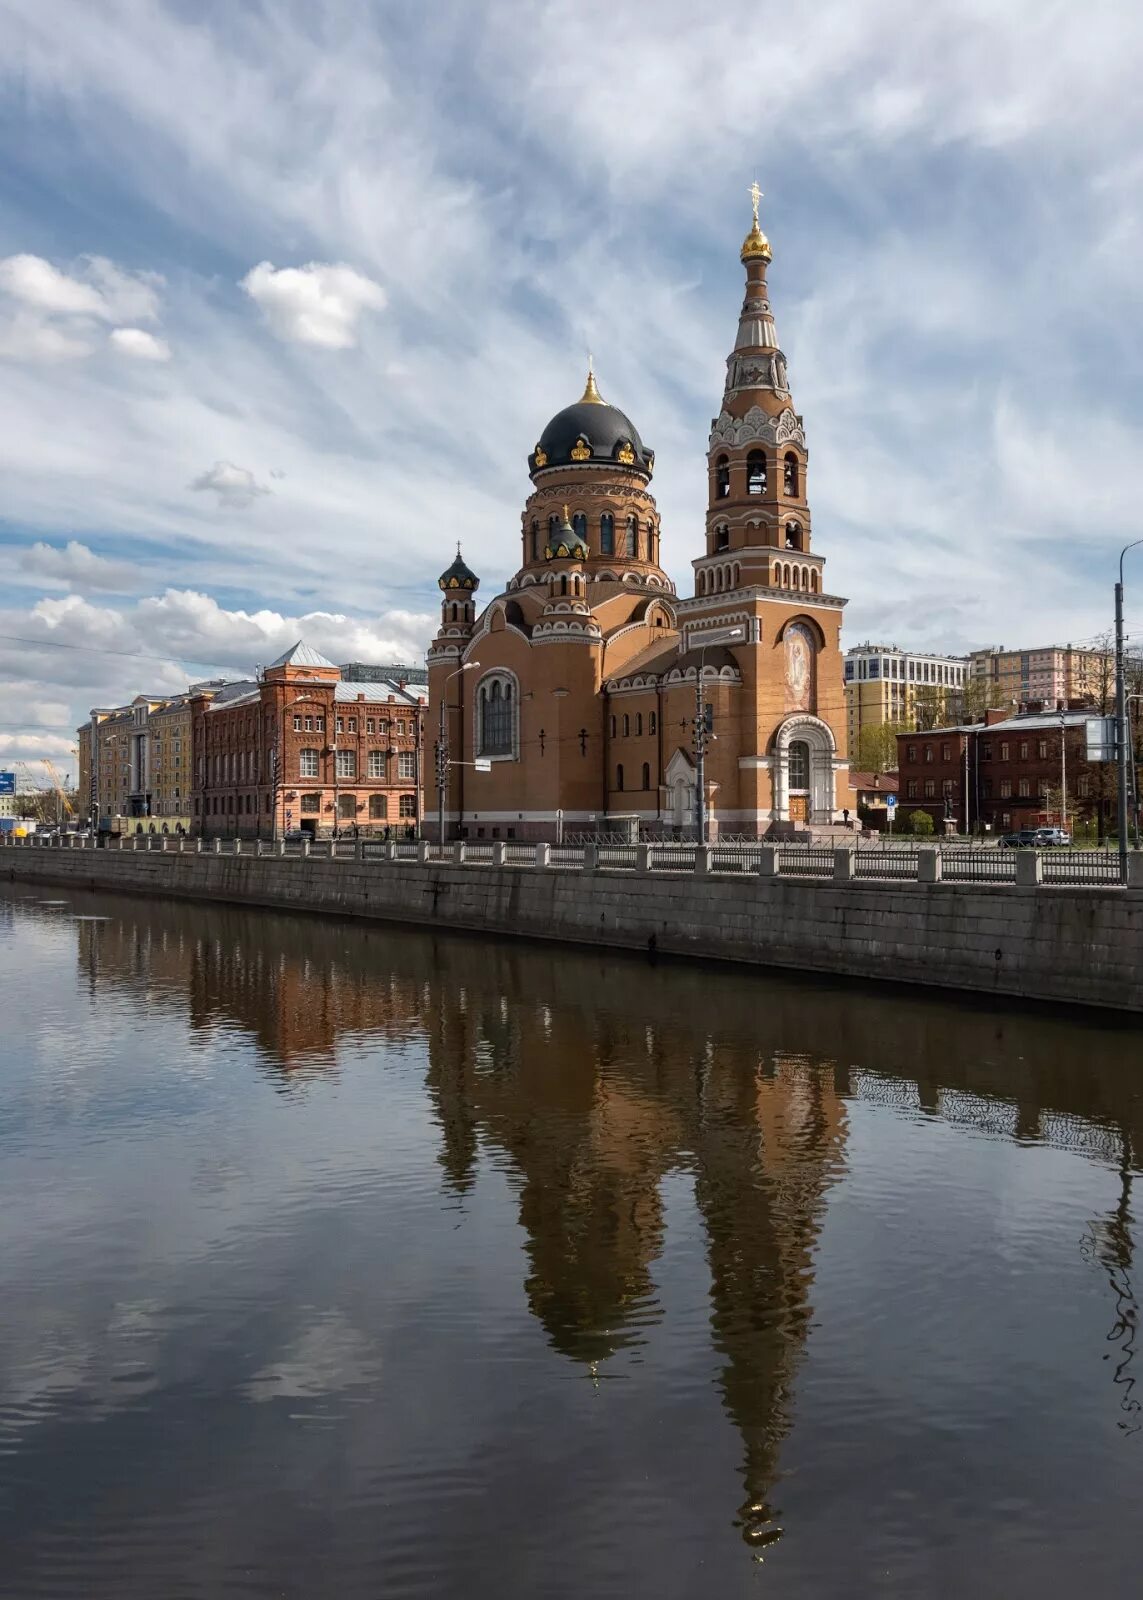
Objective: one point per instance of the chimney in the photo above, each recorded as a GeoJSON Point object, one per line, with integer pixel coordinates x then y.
{"type": "Point", "coordinates": [993, 715]}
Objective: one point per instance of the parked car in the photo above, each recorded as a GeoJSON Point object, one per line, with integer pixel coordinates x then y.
{"type": "Point", "coordinates": [1026, 839]}
{"type": "Point", "coordinates": [1049, 838]}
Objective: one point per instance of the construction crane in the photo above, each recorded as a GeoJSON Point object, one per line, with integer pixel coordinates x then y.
{"type": "Point", "coordinates": [68, 810]}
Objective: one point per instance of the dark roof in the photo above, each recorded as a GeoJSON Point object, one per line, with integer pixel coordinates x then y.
{"type": "Point", "coordinates": [458, 576]}
{"type": "Point", "coordinates": [603, 429]}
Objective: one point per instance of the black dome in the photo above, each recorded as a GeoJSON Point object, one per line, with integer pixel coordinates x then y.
{"type": "Point", "coordinates": [591, 431]}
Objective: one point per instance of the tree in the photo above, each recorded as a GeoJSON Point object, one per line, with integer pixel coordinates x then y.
{"type": "Point", "coordinates": [876, 747]}
{"type": "Point", "coordinates": [921, 823]}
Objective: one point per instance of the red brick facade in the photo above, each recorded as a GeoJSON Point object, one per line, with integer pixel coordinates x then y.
{"type": "Point", "coordinates": [1014, 766]}
{"type": "Point", "coordinates": [301, 750]}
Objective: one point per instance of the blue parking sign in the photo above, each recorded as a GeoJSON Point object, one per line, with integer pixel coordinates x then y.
{"type": "Point", "coordinates": [891, 802]}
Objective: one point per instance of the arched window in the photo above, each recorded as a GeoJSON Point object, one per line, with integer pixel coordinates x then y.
{"type": "Point", "coordinates": [646, 774]}
{"type": "Point", "coordinates": [626, 726]}
{"type": "Point", "coordinates": [722, 537]}
{"type": "Point", "coordinates": [632, 549]}
{"type": "Point", "coordinates": [553, 530]}
{"type": "Point", "coordinates": [638, 723]}
{"type": "Point", "coordinates": [814, 582]}
{"type": "Point", "coordinates": [793, 536]}
{"type": "Point", "coordinates": [722, 477]}
{"type": "Point", "coordinates": [579, 525]}
{"type": "Point", "coordinates": [790, 475]}
{"type": "Point", "coordinates": [619, 776]}
{"type": "Point", "coordinates": [652, 723]}
{"type": "Point", "coordinates": [613, 727]}
{"type": "Point", "coordinates": [535, 541]}
{"type": "Point", "coordinates": [496, 717]}
{"type": "Point", "coordinates": [607, 534]}
{"type": "Point", "coordinates": [756, 472]}
{"type": "Point", "coordinates": [799, 764]}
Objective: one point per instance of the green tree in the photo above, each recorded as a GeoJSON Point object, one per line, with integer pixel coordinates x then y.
{"type": "Point", "coordinates": [876, 747]}
{"type": "Point", "coordinates": [921, 824]}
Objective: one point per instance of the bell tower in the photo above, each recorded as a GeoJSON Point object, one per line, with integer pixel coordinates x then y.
{"type": "Point", "coordinates": [758, 516]}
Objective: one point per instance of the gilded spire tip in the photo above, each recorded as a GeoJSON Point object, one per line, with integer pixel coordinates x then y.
{"type": "Point", "coordinates": [591, 395]}
{"type": "Point", "coordinates": [755, 246]}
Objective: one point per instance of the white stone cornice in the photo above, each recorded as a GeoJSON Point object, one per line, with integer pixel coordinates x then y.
{"type": "Point", "coordinates": [811, 602]}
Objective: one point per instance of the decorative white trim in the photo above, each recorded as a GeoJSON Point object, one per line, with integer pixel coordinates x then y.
{"type": "Point", "coordinates": [757, 426]}
{"type": "Point", "coordinates": [804, 597]}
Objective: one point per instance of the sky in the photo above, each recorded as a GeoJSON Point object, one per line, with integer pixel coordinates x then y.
{"type": "Point", "coordinates": [288, 291]}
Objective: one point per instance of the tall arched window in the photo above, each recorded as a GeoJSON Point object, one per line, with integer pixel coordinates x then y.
{"type": "Point", "coordinates": [646, 774]}
{"type": "Point", "coordinates": [579, 524]}
{"type": "Point", "coordinates": [652, 723]}
{"type": "Point", "coordinates": [722, 537]}
{"type": "Point", "coordinates": [553, 529]}
{"type": "Point", "coordinates": [790, 475]}
{"type": "Point", "coordinates": [793, 536]}
{"type": "Point", "coordinates": [607, 534]}
{"type": "Point", "coordinates": [722, 477]}
{"type": "Point", "coordinates": [799, 764]}
{"type": "Point", "coordinates": [638, 723]}
{"type": "Point", "coordinates": [626, 726]}
{"type": "Point", "coordinates": [535, 541]}
{"type": "Point", "coordinates": [632, 549]}
{"type": "Point", "coordinates": [619, 776]}
{"type": "Point", "coordinates": [496, 716]}
{"type": "Point", "coordinates": [756, 472]}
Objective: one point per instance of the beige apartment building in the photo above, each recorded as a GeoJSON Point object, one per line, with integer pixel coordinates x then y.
{"type": "Point", "coordinates": [1050, 674]}
{"type": "Point", "coordinates": [135, 763]}
{"type": "Point", "coordinates": [886, 685]}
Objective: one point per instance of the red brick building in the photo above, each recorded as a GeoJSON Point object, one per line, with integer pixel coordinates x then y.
{"type": "Point", "coordinates": [302, 749]}
{"type": "Point", "coordinates": [1002, 774]}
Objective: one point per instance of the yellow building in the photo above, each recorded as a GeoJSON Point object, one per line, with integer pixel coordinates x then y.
{"type": "Point", "coordinates": [887, 686]}
{"type": "Point", "coordinates": [169, 764]}
{"type": "Point", "coordinates": [135, 764]}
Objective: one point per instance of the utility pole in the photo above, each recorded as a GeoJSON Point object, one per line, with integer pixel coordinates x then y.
{"type": "Point", "coordinates": [700, 736]}
{"type": "Point", "coordinates": [442, 750]}
{"type": "Point", "coordinates": [1122, 733]}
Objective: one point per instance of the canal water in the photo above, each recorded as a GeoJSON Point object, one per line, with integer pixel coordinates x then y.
{"type": "Point", "coordinates": [347, 1261]}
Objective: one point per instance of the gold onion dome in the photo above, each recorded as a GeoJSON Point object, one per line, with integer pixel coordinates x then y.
{"type": "Point", "coordinates": [458, 576]}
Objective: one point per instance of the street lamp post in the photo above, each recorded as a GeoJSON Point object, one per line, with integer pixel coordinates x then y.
{"type": "Point", "coordinates": [1122, 735]}
{"type": "Point", "coordinates": [1063, 772]}
{"type": "Point", "coordinates": [442, 750]}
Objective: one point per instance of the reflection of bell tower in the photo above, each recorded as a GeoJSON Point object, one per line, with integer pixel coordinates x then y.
{"type": "Point", "coordinates": [767, 1149]}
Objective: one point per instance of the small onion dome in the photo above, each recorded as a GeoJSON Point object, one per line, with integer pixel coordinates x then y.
{"type": "Point", "coordinates": [592, 432]}
{"type": "Point", "coordinates": [458, 576]}
{"type": "Point", "coordinates": [566, 544]}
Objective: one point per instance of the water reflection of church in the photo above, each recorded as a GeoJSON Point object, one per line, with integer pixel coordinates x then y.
{"type": "Point", "coordinates": [547, 1060]}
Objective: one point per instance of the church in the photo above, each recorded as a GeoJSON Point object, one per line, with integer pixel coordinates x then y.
{"type": "Point", "coordinates": [589, 697]}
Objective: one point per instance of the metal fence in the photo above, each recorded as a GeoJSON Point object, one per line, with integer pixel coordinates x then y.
{"type": "Point", "coordinates": [783, 858]}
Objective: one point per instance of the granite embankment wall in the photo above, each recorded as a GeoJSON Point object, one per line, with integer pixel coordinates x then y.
{"type": "Point", "coordinates": [1080, 945]}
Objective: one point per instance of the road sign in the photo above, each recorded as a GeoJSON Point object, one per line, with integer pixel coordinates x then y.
{"type": "Point", "coordinates": [7, 783]}
{"type": "Point", "coordinates": [1100, 737]}
{"type": "Point", "coordinates": [891, 802]}
{"type": "Point", "coordinates": [482, 764]}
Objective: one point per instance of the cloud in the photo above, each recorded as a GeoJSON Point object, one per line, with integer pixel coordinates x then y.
{"type": "Point", "coordinates": [317, 304]}
{"type": "Point", "coordinates": [98, 288]}
{"type": "Point", "coordinates": [64, 654]}
{"type": "Point", "coordinates": [236, 487]}
{"type": "Point", "coordinates": [140, 345]}
{"type": "Point", "coordinates": [35, 282]}
{"type": "Point", "coordinates": [75, 566]}
{"type": "Point", "coordinates": [55, 314]}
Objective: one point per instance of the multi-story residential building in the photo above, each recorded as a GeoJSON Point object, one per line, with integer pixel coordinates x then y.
{"type": "Point", "coordinates": [135, 763]}
{"type": "Point", "coordinates": [1005, 772]}
{"type": "Point", "coordinates": [886, 685]}
{"type": "Point", "coordinates": [1052, 674]}
{"type": "Point", "coordinates": [303, 749]}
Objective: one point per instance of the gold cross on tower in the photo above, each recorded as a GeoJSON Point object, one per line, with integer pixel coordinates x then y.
{"type": "Point", "coordinates": [755, 196]}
